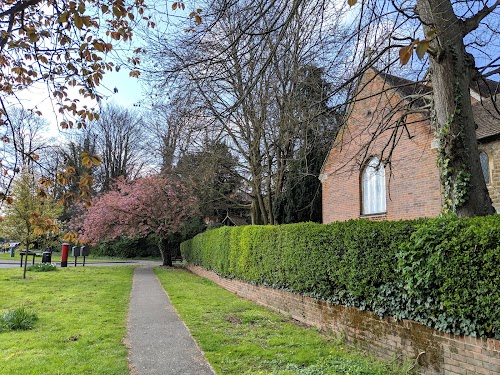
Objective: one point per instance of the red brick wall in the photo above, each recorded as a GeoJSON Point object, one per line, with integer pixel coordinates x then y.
{"type": "Point", "coordinates": [412, 184]}
{"type": "Point", "coordinates": [437, 353]}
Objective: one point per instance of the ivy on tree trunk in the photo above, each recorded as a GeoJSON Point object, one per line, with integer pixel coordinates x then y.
{"type": "Point", "coordinates": [451, 69]}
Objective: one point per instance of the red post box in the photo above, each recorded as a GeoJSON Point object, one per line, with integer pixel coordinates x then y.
{"type": "Point", "coordinates": [64, 255]}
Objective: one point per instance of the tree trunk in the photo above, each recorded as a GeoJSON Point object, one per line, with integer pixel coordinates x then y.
{"type": "Point", "coordinates": [166, 255]}
{"type": "Point", "coordinates": [26, 259]}
{"type": "Point", "coordinates": [464, 188]}
{"type": "Point", "coordinates": [269, 197]}
{"type": "Point", "coordinates": [260, 212]}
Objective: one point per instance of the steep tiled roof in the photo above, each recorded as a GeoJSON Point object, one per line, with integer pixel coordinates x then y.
{"type": "Point", "coordinates": [486, 112]}
{"type": "Point", "coordinates": [486, 87]}
{"type": "Point", "coordinates": [406, 86]}
{"type": "Point", "coordinates": [487, 118]}
{"type": "Point", "coordinates": [235, 220]}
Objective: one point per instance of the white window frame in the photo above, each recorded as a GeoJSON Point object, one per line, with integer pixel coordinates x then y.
{"type": "Point", "coordinates": [373, 190]}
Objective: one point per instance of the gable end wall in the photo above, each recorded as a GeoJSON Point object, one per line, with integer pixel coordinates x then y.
{"type": "Point", "coordinates": [413, 187]}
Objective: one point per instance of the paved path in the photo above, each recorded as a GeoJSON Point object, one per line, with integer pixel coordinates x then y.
{"type": "Point", "coordinates": [160, 342]}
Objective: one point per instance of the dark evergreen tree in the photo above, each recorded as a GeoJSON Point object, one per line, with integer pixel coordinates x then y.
{"type": "Point", "coordinates": [213, 177]}
{"type": "Point", "coordinates": [300, 198]}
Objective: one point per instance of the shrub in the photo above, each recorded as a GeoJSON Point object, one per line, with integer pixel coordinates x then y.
{"type": "Point", "coordinates": [441, 272]}
{"type": "Point", "coordinates": [18, 319]}
{"type": "Point", "coordinates": [42, 267]}
{"type": "Point", "coordinates": [128, 248]}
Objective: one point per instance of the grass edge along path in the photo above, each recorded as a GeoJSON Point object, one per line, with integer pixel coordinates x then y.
{"type": "Point", "coordinates": [240, 337]}
{"type": "Point", "coordinates": [82, 321]}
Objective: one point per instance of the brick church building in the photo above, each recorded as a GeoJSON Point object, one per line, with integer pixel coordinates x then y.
{"type": "Point", "coordinates": [383, 162]}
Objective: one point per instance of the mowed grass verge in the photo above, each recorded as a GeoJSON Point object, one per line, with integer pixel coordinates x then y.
{"type": "Point", "coordinates": [82, 321]}
{"type": "Point", "coordinates": [240, 337]}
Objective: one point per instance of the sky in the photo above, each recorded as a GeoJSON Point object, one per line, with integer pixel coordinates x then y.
{"type": "Point", "coordinates": [128, 89]}
{"type": "Point", "coordinates": [128, 92]}
{"type": "Point", "coordinates": [116, 87]}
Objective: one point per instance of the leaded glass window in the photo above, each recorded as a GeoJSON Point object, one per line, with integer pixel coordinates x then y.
{"type": "Point", "coordinates": [373, 188]}
{"type": "Point", "coordinates": [485, 166]}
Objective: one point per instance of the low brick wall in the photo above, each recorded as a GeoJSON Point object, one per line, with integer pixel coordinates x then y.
{"type": "Point", "coordinates": [437, 353]}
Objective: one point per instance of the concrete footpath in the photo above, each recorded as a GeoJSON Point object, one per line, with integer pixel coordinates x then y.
{"type": "Point", "coordinates": [159, 341]}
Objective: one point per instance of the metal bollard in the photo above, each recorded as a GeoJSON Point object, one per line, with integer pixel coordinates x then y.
{"type": "Point", "coordinates": [76, 253]}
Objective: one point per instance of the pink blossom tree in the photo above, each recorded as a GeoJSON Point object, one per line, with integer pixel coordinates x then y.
{"type": "Point", "coordinates": [149, 205]}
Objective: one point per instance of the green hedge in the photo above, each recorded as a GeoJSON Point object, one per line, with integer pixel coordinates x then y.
{"type": "Point", "coordinates": [442, 272]}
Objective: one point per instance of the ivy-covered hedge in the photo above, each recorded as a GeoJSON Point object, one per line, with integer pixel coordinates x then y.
{"type": "Point", "coordinates": [443, 272]}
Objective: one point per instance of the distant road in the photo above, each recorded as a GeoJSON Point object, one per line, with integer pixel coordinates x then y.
{"type": "Point", "coordinates": [15, 263]}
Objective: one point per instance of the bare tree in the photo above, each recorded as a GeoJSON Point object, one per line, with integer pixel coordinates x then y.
{"type": "Point", "coordinates": [24, 144]}
{"type": "Point", "coordinates": [29, 134]}
{"type": "Point", "coordinates": [458, 43]}
{"type": "Point", "coordinates": [240, 60]}
{"type": "Point", "coordinates": [119, 138]}
{"type": "Point", "coordinates": [248, 83]}
{"type": "Point", "coordinates": [174, 126]}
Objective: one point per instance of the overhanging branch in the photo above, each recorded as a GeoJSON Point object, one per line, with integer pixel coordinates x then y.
{"type": "Point", "coordinates": [19, 7]}
{"type": "Point", "coordinates": [473, 22]}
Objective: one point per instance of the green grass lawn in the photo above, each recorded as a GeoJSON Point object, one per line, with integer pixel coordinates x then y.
{"type": "Point", "coordinates": [240, 337]}
{"type": "Point", "coordinates": [82, 321]}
